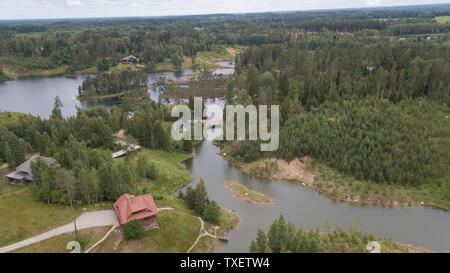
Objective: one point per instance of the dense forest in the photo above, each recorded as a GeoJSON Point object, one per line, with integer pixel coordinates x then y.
{"type": "Point", "coordinates": [364, 91]}
{"type": "Point", "coordinates": [82, 145]}
{"type": "Point", "coordinates": [375, 107]}
{"type": "Point", "coordinates": [82, 44]}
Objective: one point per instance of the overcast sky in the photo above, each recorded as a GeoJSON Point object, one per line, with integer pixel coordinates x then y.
{"type": "Point", "coordinates": [35, 9]}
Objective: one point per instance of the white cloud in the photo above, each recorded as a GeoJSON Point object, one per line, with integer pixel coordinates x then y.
{"type": "Point", "coordinates": [73, 3]}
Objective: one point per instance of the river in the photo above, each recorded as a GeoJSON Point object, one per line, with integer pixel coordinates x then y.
{"type": "Point", "coordinates": [426, 227]}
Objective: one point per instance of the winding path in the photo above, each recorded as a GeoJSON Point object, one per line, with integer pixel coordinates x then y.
{"type": "Point", "coordinates": [86, 220]}
{"type": "Point", "coordinates": [203, 231]}
{"type": "Point", "coordinates": [95, 219]}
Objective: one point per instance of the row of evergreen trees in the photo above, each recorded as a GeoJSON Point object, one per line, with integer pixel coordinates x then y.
{"type": "Point", "coordinates": [155, 40]}
{"type": "Point", "coordinates": [197, 199]}
{"type": "Point", "coordinates": [347, 68]}
{"type": "Point", "coordinates": [284, 237]}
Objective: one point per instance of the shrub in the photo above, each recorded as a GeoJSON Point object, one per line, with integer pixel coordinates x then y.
{"type": "Point", "coordinates": [133, 229]}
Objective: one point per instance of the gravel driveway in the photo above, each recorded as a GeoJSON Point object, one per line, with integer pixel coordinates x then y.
{"type": "Point", "coordinates": [86, 220]}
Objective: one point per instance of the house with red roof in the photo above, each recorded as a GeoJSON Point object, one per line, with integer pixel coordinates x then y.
{"type": "Point", "coordinates": [142, 208]}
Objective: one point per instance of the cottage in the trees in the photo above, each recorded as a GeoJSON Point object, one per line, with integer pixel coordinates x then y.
{"type": "Point", "coordinates": [128, 59]}
{"type": "Point", "coordinates": [23, 173]}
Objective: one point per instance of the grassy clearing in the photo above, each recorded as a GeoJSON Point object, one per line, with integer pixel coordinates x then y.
{"type": "Point", "coordinates": [199, 88]}
{"type": "Point", "coordinates": [168, 66]}
{"type": "Point", "coordinates": [176, 233]}
{"type": "Point", "coordinates": [442, 19]}
{"type": "Point", "coordinates": [216, 54]}
{"type": "Point", "coordinates": [6, 187]}
{"type": "Point", "coordinates": [205, 244]}
{"type": "Point", "coordinates": [58, 244]}
{"type": "Point", "coordinates": [22, 217]}
{"type": "Point", "coordinates": [121, 67]}
{"type": "Point", "coordinates": [243, 192]}
{"type": "Point", "coordinates": [171, 174]}
{"type": "Point", "coordinates": [203, 59]}
{"type": "Point", "coordinates": [14, 73]}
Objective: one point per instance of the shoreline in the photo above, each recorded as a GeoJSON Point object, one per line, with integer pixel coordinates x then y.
{"type": "Point", "coordinates": [231, 214]}
{"type": "Point", "coordinates": [246, 197]}
{"type": "Point", "coordinates": [243, 167]}
{"type": "Point", "coordinates": [123, 93]}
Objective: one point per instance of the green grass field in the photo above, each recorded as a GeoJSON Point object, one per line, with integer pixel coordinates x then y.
{"type": "Point", "coordinates": [22, 217]}
{"type": "Point", "coordinates": [6, 187]}
{"type": "Point", "coordinates": [58, 244]}
{"type": "Point", "coordinates": [216, 54]}
{"type": "Point", "coordinates": [171, 174]}
{"type": "Point", "coordinates": [176, 233]}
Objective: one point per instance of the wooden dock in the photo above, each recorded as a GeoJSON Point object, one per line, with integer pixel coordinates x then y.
{"type": "Point", "coordinates": [222, 237]}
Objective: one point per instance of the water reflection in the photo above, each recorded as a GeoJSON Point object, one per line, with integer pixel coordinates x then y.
{"type": "Point", "coordinates": [36, 95]}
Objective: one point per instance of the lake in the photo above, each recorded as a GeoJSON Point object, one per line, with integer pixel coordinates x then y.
{"type": "Point", "coordinates": [426, 227]}
{"type": "Point", "coordinates": [36, 95]}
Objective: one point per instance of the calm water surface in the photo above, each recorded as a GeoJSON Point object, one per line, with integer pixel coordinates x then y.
{"type": "Point", "coordinates": [425, 227]}
{"type": "Point", "coordinates": [36, 95]}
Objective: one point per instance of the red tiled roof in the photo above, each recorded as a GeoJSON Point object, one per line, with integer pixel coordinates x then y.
{"type": "Point", "coordinates": [129, 207]}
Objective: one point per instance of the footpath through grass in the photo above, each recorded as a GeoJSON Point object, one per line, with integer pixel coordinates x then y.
{"type": "Point", "coordinates": [58, 244]}
{"type": "Point", "coordinates": [176, 233]}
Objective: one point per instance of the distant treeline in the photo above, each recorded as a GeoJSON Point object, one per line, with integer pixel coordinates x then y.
{"type": "Point", "coordinates": [82, 44]}
{"type": "Point", "coordinates": [394, 70]}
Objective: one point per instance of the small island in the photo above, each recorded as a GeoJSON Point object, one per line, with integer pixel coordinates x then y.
{"type": "Point", "coordinates": [243, 192]}
{"type": "Point", "coordinates": [113, 84]}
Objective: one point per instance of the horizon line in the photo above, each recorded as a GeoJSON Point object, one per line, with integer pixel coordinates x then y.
{"type": "Point", "coordinates": [228, 13]}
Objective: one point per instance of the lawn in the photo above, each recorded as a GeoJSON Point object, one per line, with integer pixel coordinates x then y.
{"type": "Point", "coordinates": [216, 54]}
{"type": "Point", "coordinates": [205, 244]}
{"type": "Point", "coordinates": [171, 174]}
{"type": "Point", "coordinates": [22, 217]}
{"type": "Point", "coordinates": [176, 233]}
{"type": "Point", "coordinates": [203, 59]}
{"type": "Point", "coordinates": [6, 187]}
{"type": "Point", "coordinates": [58, 244]}
{"type": "Point", "coordinates": [168, 66]}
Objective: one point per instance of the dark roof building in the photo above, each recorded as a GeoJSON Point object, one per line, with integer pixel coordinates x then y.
{"type": "Point", "coordinates": [23, 172]}
{"type": "Point", "coordinates": [128, 59]}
